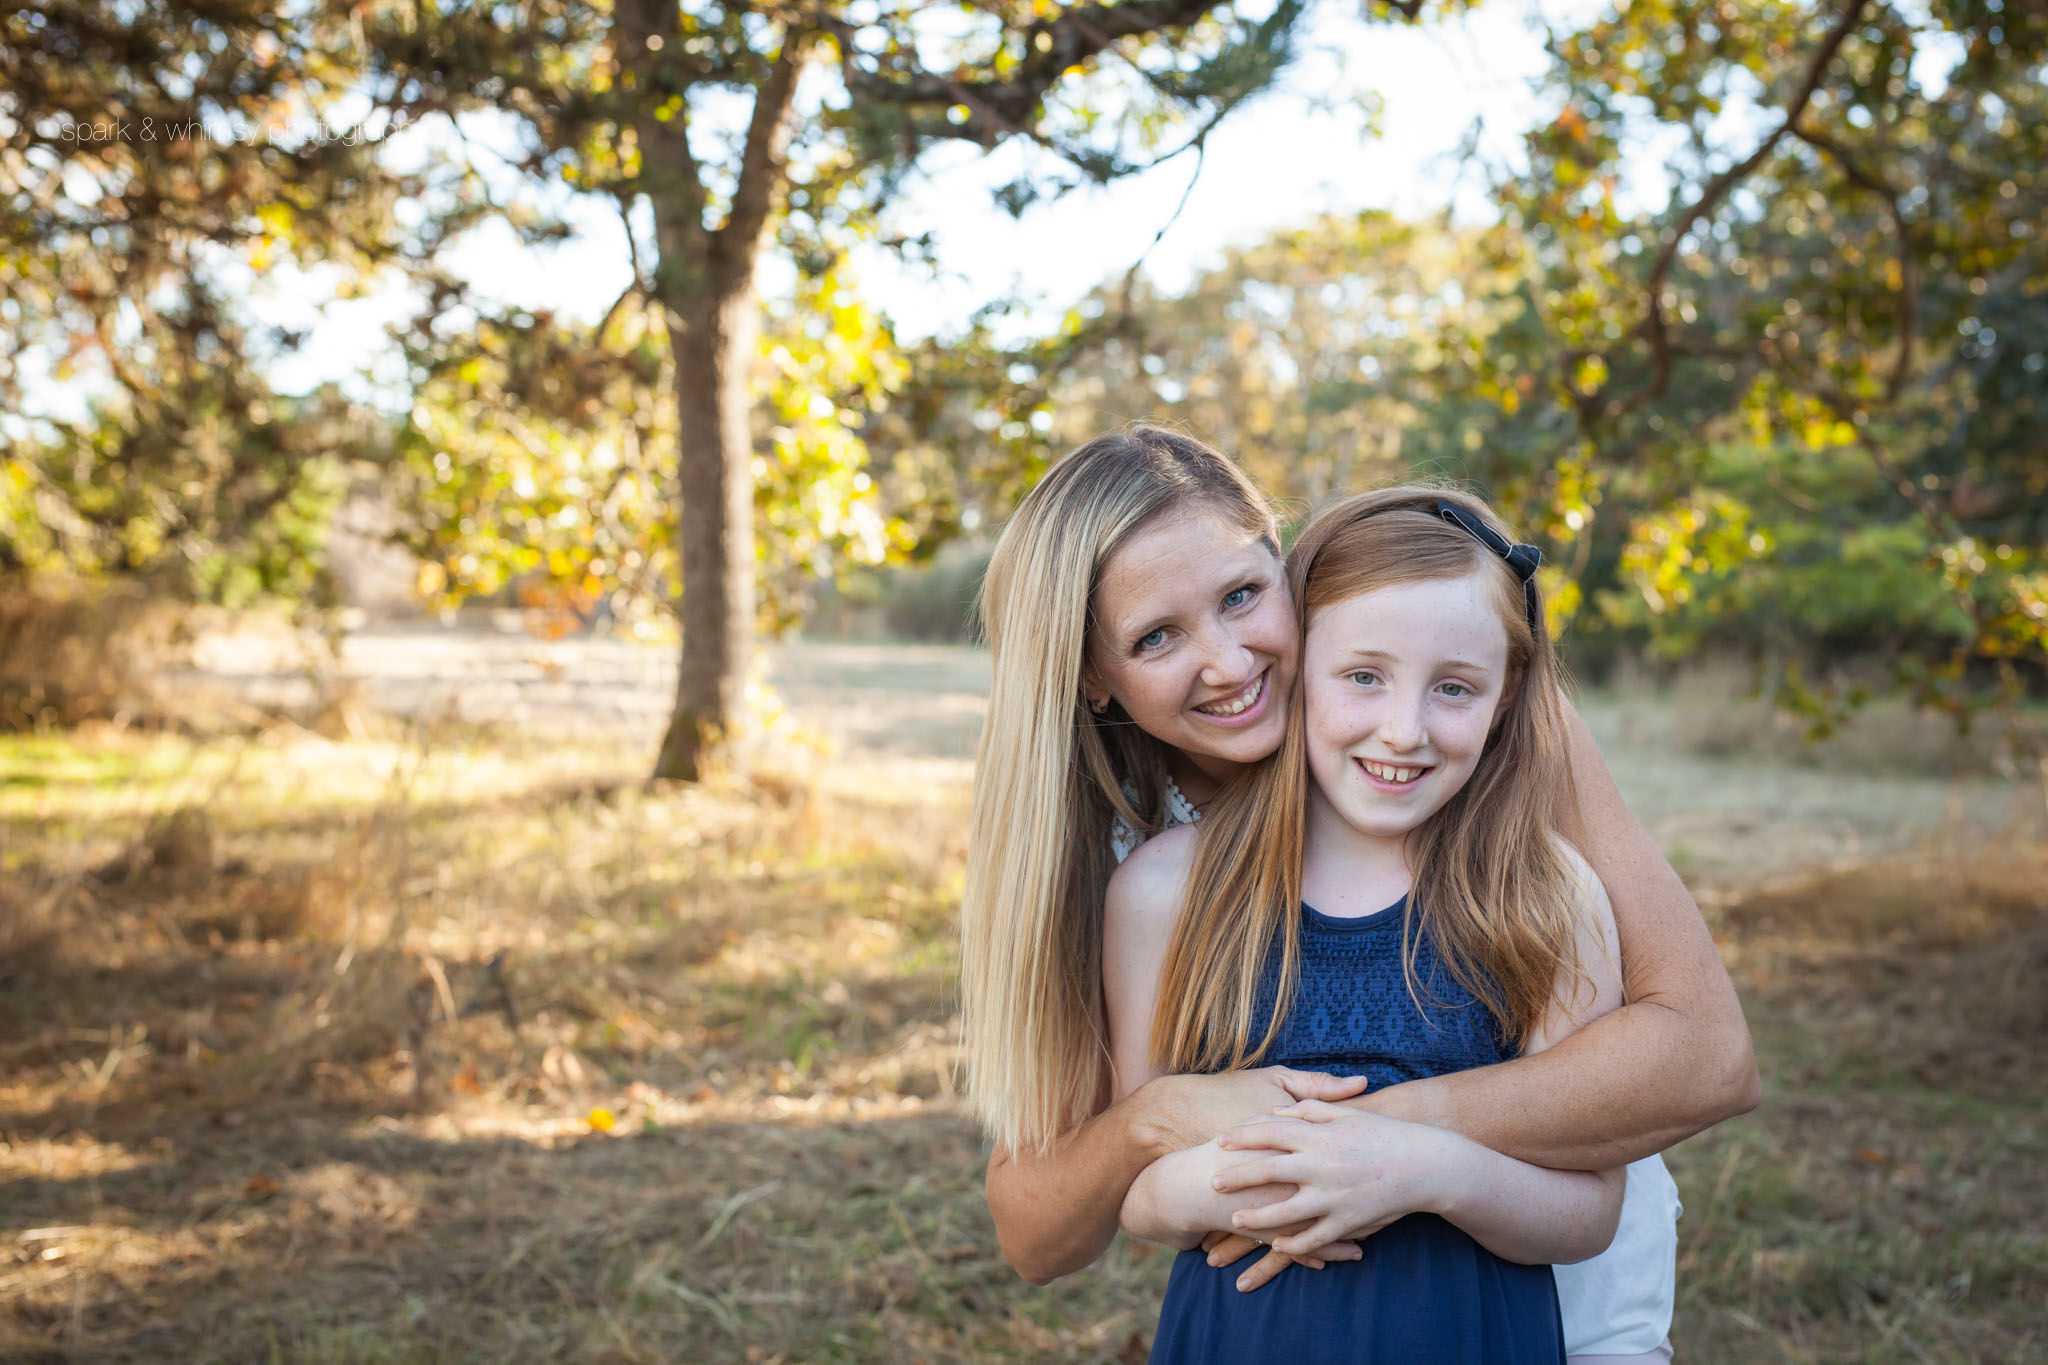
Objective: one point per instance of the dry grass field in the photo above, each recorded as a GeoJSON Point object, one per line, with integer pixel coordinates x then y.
{"type": "Point", "coordinates": [447, 1043]}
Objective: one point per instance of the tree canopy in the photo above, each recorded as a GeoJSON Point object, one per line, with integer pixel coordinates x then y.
{"type": "Point", "coordinates": [1754, 339]}
{"type": "Point", "coordinates": [1756, 343]}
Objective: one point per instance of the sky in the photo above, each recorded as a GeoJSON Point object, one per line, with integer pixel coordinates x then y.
{"type": "Point", "coordinates": [1272, 165]}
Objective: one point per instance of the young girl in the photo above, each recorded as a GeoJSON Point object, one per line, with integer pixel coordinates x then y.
{"type": "Point", "coordinates": [1144, 640]}
{"type": "Point", "coordinates": [1384, 896]}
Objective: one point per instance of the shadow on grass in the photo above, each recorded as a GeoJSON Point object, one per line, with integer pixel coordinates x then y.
{"type": "Point", "coordinates": [702, 1241]}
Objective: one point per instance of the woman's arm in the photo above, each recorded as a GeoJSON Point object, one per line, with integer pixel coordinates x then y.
{"type": "Point", "coordinates": [1056, 1213]}
{"type": "Point", "coordinates": [1176, 1202]}
{"type": "Point", "coordinates": [1674, 1060]}
{"type": "Point", "coordinates": [1138, 919]}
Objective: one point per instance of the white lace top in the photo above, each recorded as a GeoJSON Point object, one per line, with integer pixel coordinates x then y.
{"type": "Point", "coordinates": [1179, 811]}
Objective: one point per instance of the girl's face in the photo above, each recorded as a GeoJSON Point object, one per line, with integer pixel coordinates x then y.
{"type": "Point", "coordinates": [1402, 687]}
{"type": "Point", "coordinates": [1193, 635]}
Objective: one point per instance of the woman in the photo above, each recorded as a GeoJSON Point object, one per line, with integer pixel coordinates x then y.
{"type": "Point", "coordinates": [1143, 640]}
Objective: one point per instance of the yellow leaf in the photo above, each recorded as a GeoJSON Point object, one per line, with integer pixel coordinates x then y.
{"type": "Point", "coordinates": [602, 1120]}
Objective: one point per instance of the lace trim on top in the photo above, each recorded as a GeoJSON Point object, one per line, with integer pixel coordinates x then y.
{"type": "Point", "coordinates": [1179, 811]}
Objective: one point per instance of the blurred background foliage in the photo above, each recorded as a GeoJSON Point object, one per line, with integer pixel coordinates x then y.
{"type": "Point", "coordinates": [1755, 339]}
{"type": "Point", "coordinates": [540, 452]}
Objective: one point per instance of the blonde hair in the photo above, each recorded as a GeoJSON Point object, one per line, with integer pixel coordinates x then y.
{"type": "Point", "coordinates": [1050, 776]}
{"type": "Point", "coordinates": [1492, 888]}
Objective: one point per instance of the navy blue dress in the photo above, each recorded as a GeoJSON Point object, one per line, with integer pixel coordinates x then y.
{"type": "Point", "coordinates": [1424, 1292]}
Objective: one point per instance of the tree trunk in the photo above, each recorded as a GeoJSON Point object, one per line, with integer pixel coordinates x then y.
{"type": "Point", "coordinates": [705, 280]}
{"type": "Point", "coordinates": [715, 527]}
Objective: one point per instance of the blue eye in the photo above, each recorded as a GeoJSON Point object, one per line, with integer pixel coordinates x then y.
{"type": "Point", "coordinates": [1151, 640]}
{"type": "Point", "coordinates": [1455, 691]}
{"type": "Point", "coordinates": [1237, 597]}
{"type": "Point", "coordinates": [1364, 677]}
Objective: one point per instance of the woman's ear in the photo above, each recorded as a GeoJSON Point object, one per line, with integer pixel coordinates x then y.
{"type": "Point", "coordinates": [1093, 691]}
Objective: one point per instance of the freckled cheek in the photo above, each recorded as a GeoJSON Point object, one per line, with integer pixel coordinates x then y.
{"type": "Point", "coordinates": [1335, 720]}
{"type": "Point", "coordinates": [1150, 695]}
{"type": "Point", "coordinates": [1165, 695]}
{"type": "Point", "coordinates": [1460, 736]}
{"type": "Point", "coordinates": [1182, 684]}
{"type": "Point", "coordinates": [1274, 635]}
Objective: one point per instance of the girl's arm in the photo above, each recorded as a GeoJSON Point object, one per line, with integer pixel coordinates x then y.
{"type": "Point", "coordinates": [1358, 1172]}
{"type": "Point", "coordinates": [1138, 921]}
{"type": "Point", "coordinates": [1673, 1061]}
{"type": "Point", "coordinates": [1355, 1172]}
{"type": "Point", "coordinates": [1139, 918]}
{"type": "Point", "coordinates": [1176, 1202]}
{"type": "Point", "coordinates": [1055, 1213]}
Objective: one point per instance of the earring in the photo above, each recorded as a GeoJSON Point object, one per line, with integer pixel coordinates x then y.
{"type": "Point", "coordinates": [1099, 705]}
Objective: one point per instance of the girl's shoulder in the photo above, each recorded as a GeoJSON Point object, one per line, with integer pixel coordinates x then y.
{"type": "Point", "coordinates": [1592, 893]}
{"type": "Point", "coordinates": [1151, 881]}
{"type": "Point", "coordinates": [1591, 986]}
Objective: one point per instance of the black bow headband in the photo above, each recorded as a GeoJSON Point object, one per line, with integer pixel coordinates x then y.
{"type": "Point", "coordinates": [1523, 559]}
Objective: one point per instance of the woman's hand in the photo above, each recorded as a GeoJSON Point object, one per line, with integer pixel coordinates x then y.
{"type": "Point", "coordinates": [1353, 1171]}
{"type": "Point", "coordinates": [1227, 1248]}
{"type": "Point", "coordinates": [1191, 1109]}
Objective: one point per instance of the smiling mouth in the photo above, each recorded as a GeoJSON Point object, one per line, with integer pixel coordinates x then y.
{"type": "Point", "coordinates": [1239, 704]}
{"type": "Point", "coordinates": [1394, 774]}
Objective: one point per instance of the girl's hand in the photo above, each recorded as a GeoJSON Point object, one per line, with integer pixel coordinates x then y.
{"type": "Point", "coordinates": [1195, 1108]}
{"type": "Point", "coordinates": [1354, 1172]}
{"type": "Point", "coordinates": [1226, 1248]}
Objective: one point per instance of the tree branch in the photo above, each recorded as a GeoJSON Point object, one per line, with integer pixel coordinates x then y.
{"type": "Point", "coordinates": [738, 242]}
{"type": "Point", "coordinates": [604, 323]}
{"type": "Point", "coordinates": [664, 144]}
{"type": "Point", "coordinates": [1080, 33]}
{"type": "Point", "coordinates": [624, 203]}
{"type": "Point", "coordinates": [1909, 273]}
{"type": "Point", "coordinates": [1717, 189]}
{"type": "Point", "coordinates": [1846, 409]}
{"type": "Point", "coordinates": [1201, 147]}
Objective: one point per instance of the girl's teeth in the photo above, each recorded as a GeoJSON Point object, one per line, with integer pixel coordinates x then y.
{"type": "Point", "coordinates": [1395, 775]}
{"type": "Point", "coordinates": [1240, 704]}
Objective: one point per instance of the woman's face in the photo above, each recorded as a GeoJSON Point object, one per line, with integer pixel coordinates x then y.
{"type": "Point", "coordinates": [1194, 636]}
{"type": "Point", "coordinates": [1401, 686]}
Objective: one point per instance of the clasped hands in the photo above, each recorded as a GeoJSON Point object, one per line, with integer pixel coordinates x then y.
{"type": "Point", "coordinates": [1353, 1173]}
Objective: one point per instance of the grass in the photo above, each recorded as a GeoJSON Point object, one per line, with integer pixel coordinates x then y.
{"type": "Point", "coordinates": [1886, 1202]}
{"type": "Point", "coordinates": [261, 1097]}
